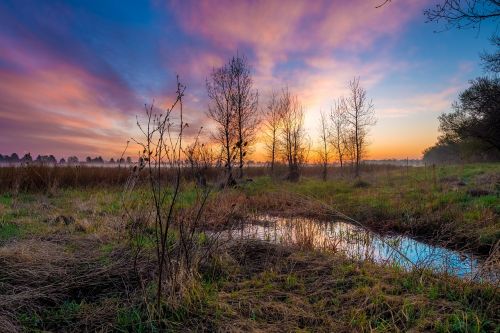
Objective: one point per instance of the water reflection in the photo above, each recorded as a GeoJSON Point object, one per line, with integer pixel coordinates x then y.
{"type": "Point", "coordinates": [360, 244]}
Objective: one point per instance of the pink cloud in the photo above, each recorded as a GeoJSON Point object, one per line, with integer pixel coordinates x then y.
{"type": "Point", "coordinates": [276, 32]}
{"type": "Point", "coordinates": [51, 98]}
{"type": "Point", "coordinates": [59, 108]}
{"type": "Point", "coordinates": [274, 29]}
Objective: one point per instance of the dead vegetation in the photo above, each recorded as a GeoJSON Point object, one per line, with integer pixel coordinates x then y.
{"type": "Point", "coordinates": [74, 268]}
{"type": "Point", "coordinates": [71, 284]}
{"type": "Point", "coordinates": [42, 274]}
{"type": "Point", "coordinates": [276, 289]}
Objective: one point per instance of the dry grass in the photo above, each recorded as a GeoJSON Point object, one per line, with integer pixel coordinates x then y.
{"type": "Point", "coordinates": [43, 178]}
{"type": "Point", "coordinates": [70, 269]}
{"type": "Point", "coordinates": [39, 274]}
{"type": "Point", "coordinates": [48, 179]}
{"type": "Point", "coordinates": [284, 290]}
{"type": "Point", "coordinates": [69, 284]}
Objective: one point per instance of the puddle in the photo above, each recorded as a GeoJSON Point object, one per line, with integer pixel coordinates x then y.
{"type": "Point", "coordinates": [360, 244]}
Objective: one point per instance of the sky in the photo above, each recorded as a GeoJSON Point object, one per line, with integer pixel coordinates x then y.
{"type": "Point", "coordinates": [75, 74]}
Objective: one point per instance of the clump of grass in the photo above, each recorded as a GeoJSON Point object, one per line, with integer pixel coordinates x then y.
{"type": "Point", "coordinates": [5, 200]}
{"type": "Point", "coordinates": [8, 231]}
{"type": "Point", "coordinates": [361, 184]}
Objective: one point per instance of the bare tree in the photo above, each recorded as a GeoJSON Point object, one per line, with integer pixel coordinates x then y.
{"type": "Point", "coordinates": [292, 136]}
{"type": "Point", "coordinates": [199, 158]}
{"type": "Point", "coordinates": [162, 145]}
{"type": "Point", "coordinates": [350, 146]}
{"type": "Point", "coordinates": [272, 121]}
{"type": "Point", "coordinates": [360, 115]}
{"type": "Point", "coordinates": [324, 151]}
{"type": "Point", "coordinates": [463, 14]}
{"type": "Point", "coordinates": [220, 89]}
{"type": "Point", "coordinates": [338, 137]}
{"type": "Point", "coordinates": [154, 204]}
{"type": "Point", "coordinates": [460, 14]}
{"type": "Point", "coordinates": [245, 101]}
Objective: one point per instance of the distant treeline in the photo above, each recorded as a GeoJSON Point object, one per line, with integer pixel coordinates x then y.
{"type": "Point", "coordinates": [396, 162]}
{"type": "Point", "coordinates": [73, 160]}
{"type": "Point", "coordinates": [51, 159]}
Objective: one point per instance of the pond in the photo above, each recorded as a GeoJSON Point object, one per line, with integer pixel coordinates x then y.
{"type": "Point", "coordinates": [361, 244]}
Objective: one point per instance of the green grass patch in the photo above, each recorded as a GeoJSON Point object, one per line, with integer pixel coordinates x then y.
{"type": "Point", "coordinates": [415, 201]}
{"type": "Point", "coordinates": [133, 319]}
{"type": "Point", "coordinates": [5, 200]}
{"type": "Point", "coordinates": [60, 316]}
{"type": "Point", "coordinates": [9, 231]}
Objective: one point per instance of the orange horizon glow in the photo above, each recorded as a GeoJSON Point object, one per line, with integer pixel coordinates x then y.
{"type": "Point", "coordinates": [73, 84]}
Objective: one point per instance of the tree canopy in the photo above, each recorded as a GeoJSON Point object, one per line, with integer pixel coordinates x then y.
{"type": "Point", "coordinates": [475, 115]}
{"type": "Point", "coordinates": [473, 126]}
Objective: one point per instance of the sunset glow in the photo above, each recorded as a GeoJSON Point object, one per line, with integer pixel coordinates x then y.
{"type": "Point", "coordinates": [73, 76]}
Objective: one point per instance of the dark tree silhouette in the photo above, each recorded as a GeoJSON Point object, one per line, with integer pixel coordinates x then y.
{"type": "Point", "coordinates": [338, 123]}
{"type": "Point", "coordinates": [491, 61]}
{"type": "Point", "coordinates": [442, 153]}
{"type": "Point", "coordinates": [73, 160]}
{"type": "Point", "coordinates": [220, 89]}
{"type": "Point", "coordinates": [360, 115]}
{"type": "Point", "coordinates": [272, 122]}
{"type": "Point", "coordinates": [475, 115]}
{"type": "Point", "coordinates": [46, 159]}
{"type": "Point", "coordinates": [324, 151]}
{"type": "Point", "coordinates": [244, 101]}
{"type": "Point", "coordinates": [27, 158]}
{"type": "Point", "coordinates": [14, 158]}
{"type": "Point", "coordinates": [233, 107]}
{"type": "Point", "coordinates": [292, 135]}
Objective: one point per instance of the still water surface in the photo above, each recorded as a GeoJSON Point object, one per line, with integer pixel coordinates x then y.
{"type": "Point", "coordinates": [360, 244]}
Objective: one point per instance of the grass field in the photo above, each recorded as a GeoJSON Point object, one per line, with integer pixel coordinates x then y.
{"type": "Point", "coordinates": [68, 261]}
{"type": "Point", "coordinates": [455, 205]}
